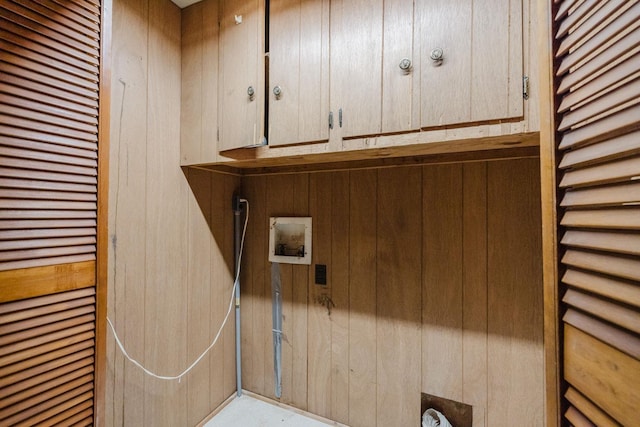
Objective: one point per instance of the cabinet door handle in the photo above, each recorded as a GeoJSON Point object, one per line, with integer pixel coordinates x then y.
{"type": "Point", "coordinates": [251, 92]}
{"type": "Point", "coordinates": [405, 64]}
{"type": "Point", "coordinates": [277, 91]}
{"type": "Point", "coordinates": [437, 55]}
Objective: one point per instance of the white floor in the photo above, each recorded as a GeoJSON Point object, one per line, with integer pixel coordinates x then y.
{"type": "Point", "coordinates": [245, 411]}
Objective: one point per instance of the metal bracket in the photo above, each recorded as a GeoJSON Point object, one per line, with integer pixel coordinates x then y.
{"type": "Point", "coordinates": [525, 87]}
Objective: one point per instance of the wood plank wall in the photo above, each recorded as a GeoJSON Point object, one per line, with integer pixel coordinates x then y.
{"type": "Point", "coordinates": [171, 236]}
{"type": "Point", "coordinates": [435, 272]}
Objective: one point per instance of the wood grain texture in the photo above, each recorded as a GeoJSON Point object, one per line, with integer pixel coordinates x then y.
{"type": "Point", "coordinates": [30, 282]}
{"type": "Point", "coordinates": [199, 88]}
{"type": "Point", "coordinates": [171, 236]}
{"type": "Point", "coordinates": [298, 64]}
{"type": "Point", "coordinates": [514, 295]}
{"type": "Point", "coordinates": [319, 378]}
{"type": "Point", "coordinates": [442, 287]}
{"type": "Point", "coordinates": [400, 89]}
{"type": "Point", "coordinates": [242, 65]}
{"type": "Point", "coordinates": [446, 26]}
{"type": "Point", "coordinates": [339, 277]}
{"type": "Point", "coordinates": [356, 56]}
{"type": "Point", "coordinates": [392, 247]}
{"type": "Point", "coordinates": [362, 298]}
{"type": "Point", "coordinates": [398, 292]}
{"type": "Point", "coordinates": [125, 399]}
{"type": "Point", "coordinates": [602, 374]}
{"type": "Point", "coordinates": [474, 293]}
{"type": "Point", "coordinates": [299, 312]}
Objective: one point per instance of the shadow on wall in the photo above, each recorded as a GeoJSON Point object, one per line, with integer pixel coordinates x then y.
{"type": "Point", "coordinates": [213, 193]}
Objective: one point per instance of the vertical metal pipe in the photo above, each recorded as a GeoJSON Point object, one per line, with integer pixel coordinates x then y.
{"type": "Point", "coordinates": [238, 236]}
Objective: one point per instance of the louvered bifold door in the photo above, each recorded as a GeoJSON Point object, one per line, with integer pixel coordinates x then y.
{"type": "Point", "coordinates": [48, 131]}
{"type": "Point", "coordinates": [598, 134]}
{"type": "Point", "coordinates": [51, 304]}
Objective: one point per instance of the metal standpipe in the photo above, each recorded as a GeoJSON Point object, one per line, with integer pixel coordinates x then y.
{"type": "Point", "coordinates": [237, 212]}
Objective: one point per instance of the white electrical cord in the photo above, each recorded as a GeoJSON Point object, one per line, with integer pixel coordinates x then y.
{"type": "Point", "coordinates": [224, 322]}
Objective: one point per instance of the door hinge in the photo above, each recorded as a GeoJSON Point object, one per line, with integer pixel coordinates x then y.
{"type": "Point", "coordinates": [330, 119]}
{"type": "Point", "coordinates": [525, 87]}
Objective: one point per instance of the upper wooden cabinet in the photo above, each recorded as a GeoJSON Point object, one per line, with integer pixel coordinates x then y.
{"type": "Point", "coordinates": [389, 73]}
{"type": "Point", "coordinates": [298, 71]}
{"type": "Point", "coordinates": [241, 79]}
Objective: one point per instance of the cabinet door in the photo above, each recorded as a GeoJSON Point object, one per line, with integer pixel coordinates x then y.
{"type": "Point", "coordinates": [241, 68]}
{"type": "Point", "coordinates": [298, 71]}
{"type": "Point", "coordinates": [480, 75]}
{"type": "Point", "coordinates": [356, 65]}
{"type": "Point", "coordinates": [400, 69]}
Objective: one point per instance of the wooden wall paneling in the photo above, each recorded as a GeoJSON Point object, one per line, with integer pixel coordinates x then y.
{"type": "Point", "coordinates": [474, 292]}
{"type": "Point", "coordinates": [496, 88]}
{"type": "Point", "coordinates": [254, 330]}
{"type": "Point", "coordinates": [166, 223]}
{"type": "Point", "coordinates": [399, 255]}
{"type": "Point", "coordinates": [400, 89]}
{"type": "Point", "coordinates": [340, 280]}
{"type": "Point", "coordinates": [356, 52]}
{"type": "Point", "coordinates": [446, 26]}
{"type": "Point", "coordinates": [199, 287]}
{"type": "Point", "coordinates": [319, 323]}
{"type": "Point", "coordinates": [226, 275]}
{"type": "Point", "coordinates": [442, 283]}
{"type": "Point", "coordinates": [514, 294]}
{"type": "Point", "coordinates": [127, 213]}
{"type": "Point", "coordinates": [300, 294]}
{"type": "Point", "coordinates": [280, 202]}
{"type": "Point", "coordinates": [219, 295]}
{"type": "Point", "coordinates": [362, 298]}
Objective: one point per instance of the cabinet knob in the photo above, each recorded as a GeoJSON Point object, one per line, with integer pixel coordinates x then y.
{"type": "Point", "coordinates": [277, 91]}
{"type": "Point", "coordinates": [251, 91]}
{"type": "Point", "coordinates": [437, 55]}
{"type": "Point", "coordinates": [405, 64]}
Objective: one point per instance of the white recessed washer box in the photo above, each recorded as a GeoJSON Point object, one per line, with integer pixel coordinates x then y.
{"type": "Point", "coordinates": [290, 240]}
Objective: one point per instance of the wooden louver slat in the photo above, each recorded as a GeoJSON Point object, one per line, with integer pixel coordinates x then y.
{"type": "Point", "coordinates": [614, 313]}
{"type": "Point", "coordinates": [589, 410]}
{"type": "Point", "coordinates": [597, 64]}
{"type": "Point", "coordinates": [615, 337]}
{"type": "Point", "coordinates": [46, 357]}
{"type": "Point", "coordinates": [590, 25]}
{"type": "Point", "coordinates": [626, 23]}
